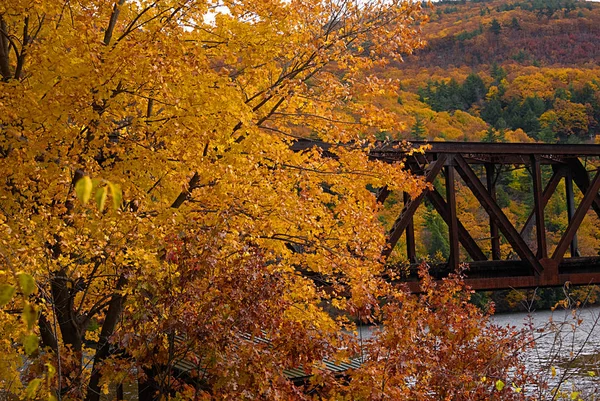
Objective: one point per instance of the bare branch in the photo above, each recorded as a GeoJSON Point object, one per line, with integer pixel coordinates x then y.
{"type": "Point", "coordinates": [4, 49]}
{"type": "Point", "coordinates": [113, 22]}
{"type": "Point", "coordinates": [21, 56]}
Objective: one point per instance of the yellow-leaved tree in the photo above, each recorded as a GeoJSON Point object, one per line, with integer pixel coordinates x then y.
{"type": "Point", "coordinates": [152, 210]}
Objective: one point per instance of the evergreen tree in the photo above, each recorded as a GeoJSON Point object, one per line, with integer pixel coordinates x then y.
{"type": "Point", "coordinates": [418, 131]}
{"type": "Point", "coordinates": [495, 28]}
{"type": "Point", "coordinates": [501, 126]}
{"type": "Point", "coordinates": [585, 95]}
{"type": "Point", "coordinates": [514, 24]}
{"type": "Point", "coordinates": [530, 123]}
{"type": "Point", "coordinates": [492, 111]}
{"type": "Point", "coordinates": [547, 135]}
{"type": "Point", "coordinates": [491, 136]}
{"type": "Point", "coordinates": [536, 105]}
{"type": "Point", "coordinates": [498, 73]}
{"type": "Point", "coordinates": [455, 100]}
{"type": "Point", "coordinates": [562, 93]}
{"type": "Point", "coordinates": [473, 89]}
{"type": "Point", "coordinates": [438, 231]}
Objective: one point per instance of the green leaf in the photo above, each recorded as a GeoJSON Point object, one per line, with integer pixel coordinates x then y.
{"type": "Point", "coordinates": [32, 388]}
{"type": "Point", "coordinates": [51, 370]}
{"type": "Point", "coordinates": [116, 194]}
{"type": "Point", "coordinates": [6, 293]}
{"type": "Point", "coordinates": [499, 385]}
{"type": "Point", "coordinates": [83, 189]}
{"type": "Point", "coordinates": [101, 198]}
{"type": "Point", "coordinates": [31, 343]}
{"type": "Point", "coordinates": [29, 315]}
{"type": "Point", "coordinates": [27, 284]}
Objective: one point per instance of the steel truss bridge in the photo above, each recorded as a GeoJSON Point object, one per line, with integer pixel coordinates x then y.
{"type": "Point", "coordinates": [479, 165]}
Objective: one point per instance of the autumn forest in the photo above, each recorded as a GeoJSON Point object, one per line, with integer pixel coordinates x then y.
{"type": "Point", "coordinates": [161, 238]}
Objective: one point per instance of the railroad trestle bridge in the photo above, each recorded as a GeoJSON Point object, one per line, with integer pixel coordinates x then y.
{"type": "Point", "coordinates": [479, 165]}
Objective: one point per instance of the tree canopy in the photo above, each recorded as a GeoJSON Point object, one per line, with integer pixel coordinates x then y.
{"type": "Point", "coordinates": [152, 210]}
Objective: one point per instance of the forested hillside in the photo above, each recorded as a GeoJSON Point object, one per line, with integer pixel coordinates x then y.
{"type": "Point", "coordinates": [531, 32]}
{"type": "Point", "coordinates": [501, 71]}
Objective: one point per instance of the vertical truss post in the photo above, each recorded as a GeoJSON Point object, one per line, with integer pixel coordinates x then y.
{"type": "Point", "coordinates": [557, 175]}
{"type": "Point", "coordinates": [490, 172]}
{"type": "Point", "coordinates": [410, 235]}
{"type": "Point", "coordinates": [571, 210]}
{"type": "Point", "coordinates": [538, 208]}
{"type": "Point", "coordinates": [452, 221]}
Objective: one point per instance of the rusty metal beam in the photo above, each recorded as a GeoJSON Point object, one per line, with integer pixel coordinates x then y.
{"type": "Point", "coordinates": [452, 221]}
{"type": "Point", "coordinates": [398, 150]}
{"type": "Point", "coordinates": [527, 149]}
{"type": "Point", "coordinates": [411, 253]}
{"type": "Point", "coordinates": [582, 180]}
{"type": "Point", "coordinates": [502, 283]}
{"type": "Point", "coordinates": [490, 275]}
{"type": "Point", "coordinates": [551, 186]}
{"type": "Point", "coordinates": [495, 212]}
{"type": "Point", "coordinates": [490, 174]}
{"type": "Point", "coordinates": [382, 194]}
{"type": "Point", "coordinates": [538, 208]}
{"type": "Point", "coordinates": [578, 216]}
{"type": "Point", "coordinates": [408, 211]}
{"type": "Point", "coordinates": [571, 210]}
{"type": "Point", "coordinates": [467, 241]}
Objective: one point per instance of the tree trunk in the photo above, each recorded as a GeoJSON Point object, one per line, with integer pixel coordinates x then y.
{"type": "Point", "coordinates": [149, 389]}
{"type": "Point", "coordinates": [115, 307]}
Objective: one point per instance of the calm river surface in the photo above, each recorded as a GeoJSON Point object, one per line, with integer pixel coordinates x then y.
{"type": "Point", "coordinates": [566, 350]}
{"type": "Point", "coordinates": [565, 354]}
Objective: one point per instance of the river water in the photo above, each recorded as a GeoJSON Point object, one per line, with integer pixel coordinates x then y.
{"type": "Point", "coordinates": [566, 351]}
{"type": "Point", "coordinates": [564, 357]}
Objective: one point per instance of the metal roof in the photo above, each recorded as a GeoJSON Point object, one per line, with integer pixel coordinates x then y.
{"type": "Point", "coordinates": [298, 374]}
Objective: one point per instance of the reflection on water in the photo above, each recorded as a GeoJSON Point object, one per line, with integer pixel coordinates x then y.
{"type": "Point", "coordinates": [567, 348]}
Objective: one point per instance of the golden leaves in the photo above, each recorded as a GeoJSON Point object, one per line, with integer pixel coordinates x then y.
{"type": "Point", "coordinates": [261, 230]}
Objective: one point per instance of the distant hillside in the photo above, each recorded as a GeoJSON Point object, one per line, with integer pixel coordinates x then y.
{"type": "Point", "coordinates": [501, 70]}
{"type": "Point", "coordinates": [529, 32]}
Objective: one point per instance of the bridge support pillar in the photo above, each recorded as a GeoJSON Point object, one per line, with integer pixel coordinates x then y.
{"type": "Point", "coordinates": [538, 207]}
{"type": "Point", "coordinates": [411, 253]}
{"type": "Point", "coordinates": [452, 221]}
{"type": "Point", "coordinates": [490, 176]}
{"type": "Point", "coordinates": [571, 211]}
